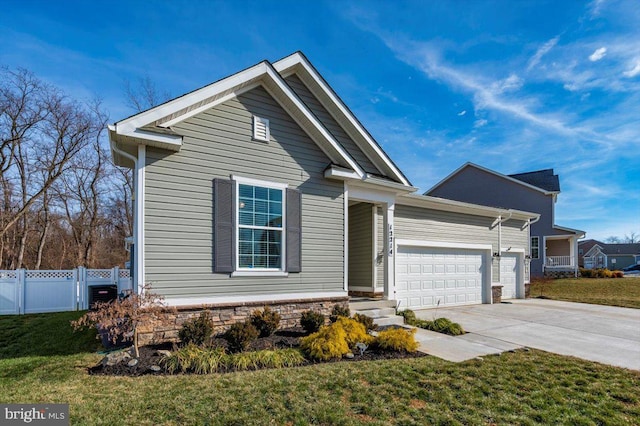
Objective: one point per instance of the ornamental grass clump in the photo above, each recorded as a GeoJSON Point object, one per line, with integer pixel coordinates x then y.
{"type": "Point", "coordinates": [396, 339]}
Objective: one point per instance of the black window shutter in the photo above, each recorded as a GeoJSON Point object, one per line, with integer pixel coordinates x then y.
{"type": "Point", "coordinates": [224, 222]}
{"type": "Point", "coordinates": [294, 231]}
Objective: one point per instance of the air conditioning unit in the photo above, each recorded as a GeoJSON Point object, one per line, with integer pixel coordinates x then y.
{"type": "Point", "coordinates": [102, 293]}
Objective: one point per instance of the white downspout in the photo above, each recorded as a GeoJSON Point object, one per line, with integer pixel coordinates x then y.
{"type": "Point", "coordinates": [136, 222]}
{"type": "Point", "coordinates": [500, 222]}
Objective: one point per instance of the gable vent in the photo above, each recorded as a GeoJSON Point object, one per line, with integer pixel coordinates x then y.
{"type": "Point", "coordinates": [260, 129]}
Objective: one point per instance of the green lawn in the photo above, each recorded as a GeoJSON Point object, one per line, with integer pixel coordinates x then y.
{"type": "Point", "coordinates": [515, 388]}
{"type": "Point", "coordinates": [601, 291]}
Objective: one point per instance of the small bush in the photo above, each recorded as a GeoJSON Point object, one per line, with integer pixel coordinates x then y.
{"type": "Point", "coordinates": [586, 273]}
{"type": "Point", "coordinates": [617, 274]}
{"type": "Point", "coordinates": [240, 336]}
{"type": "Point", "coordinates": [197, 330]}
{"type": "Point", "coordinates": [266, 321]}
{"type": "Point", "coordinates": [397, 339]}
{"type": "Point", "coordinates": [335, 340]}
{"type": "Point", "coordinates": [354, 331]}
{"type": "Point", "coordinates": [311, 321]}
{"type": "Point", "coordinates": [441, 325]}
{"type": "Point", "coordinates": [339, 311]}
{"type": "Point", "coordinates": [366, 321]}
{"type": "Point", "coordinates": [409, 316]}
{"type": "Point", "coordinates": [328, 343]}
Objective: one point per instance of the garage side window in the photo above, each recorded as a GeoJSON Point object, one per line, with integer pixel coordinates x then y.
{"type": "Point", "coordinates": [535, 247]}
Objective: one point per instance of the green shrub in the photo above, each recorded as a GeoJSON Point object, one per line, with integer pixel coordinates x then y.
{"type": "Point", "coordinates": [366, 321]}
{"type": "Point", "coordinates": [265, 321]}
{"type": "Point", "coordinates": [328, 343]}
{"type": "Point", "coordinates": [396, 339]}
{"type": "Point", "coordinates": [197, 330]}
{"type": "Point", "coordinates": [339, 311]}
{"type": "Point", "coordinates": [311, 321]}
{"type": "Point", "coordinates": [409, 316]}
{"type": "Point", "coordinates": [240, 335]}
{"type": "Point", "coordinates": [586, 273]}
{"type": "Point", "coordinates": [441, 325]}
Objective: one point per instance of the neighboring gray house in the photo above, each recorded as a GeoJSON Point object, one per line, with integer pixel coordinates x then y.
{"type": "Point", "coordinates": [583, 247]}
{"type": "Point", "coordinates": [263, 189]}
{"type": "Point", "coordinates": [553, 248]}
{"type": "Point", "coordinates": [612, 256]}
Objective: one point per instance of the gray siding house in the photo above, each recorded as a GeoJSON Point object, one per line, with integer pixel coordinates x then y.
{"type": "Point", "coordinates": [553, 248]}
{"type": "Point", "coordinates": [612, 256]}
{"type": "Point", "coordinates": [263, 189]}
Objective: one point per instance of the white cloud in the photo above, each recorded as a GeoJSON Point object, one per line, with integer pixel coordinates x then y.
{"type": "Point", "coordinates": [461, 113]}
{"type": "Point", "coordinates": [633, 71]}
{"type": "Point", "coordinates": [480, 123]}
{"type": "Point", "coordinates": [509, 84]}
{"type": "Point", "coordinates": [543, 50]}
{"type": "Point", "coordinates": [598, 54]}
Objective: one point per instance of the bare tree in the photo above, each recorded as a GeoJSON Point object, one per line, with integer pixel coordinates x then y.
{"type": "Point", "coordinates": [143, 95]}
{"type": "Point", "coordinates": [612, 240]}
{"type": "Point", "coordinates": [631, 238]}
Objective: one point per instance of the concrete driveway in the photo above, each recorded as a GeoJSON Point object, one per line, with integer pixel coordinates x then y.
{"type": "Point", "coordinates": [598, 333]}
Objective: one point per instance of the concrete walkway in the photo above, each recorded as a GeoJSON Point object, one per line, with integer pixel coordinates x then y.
{"type": "Point", "coordinates": [605, 334]}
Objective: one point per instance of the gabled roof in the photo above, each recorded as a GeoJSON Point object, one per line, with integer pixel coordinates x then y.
{"type": "Point", "coordinates": [153, 127]}
{"type": "Point", "coordinates": [298, 64]}
{"type": "Point", "coordinates": [618, 249]}
{"type": "Point", "coordinates": [500, 175]}
{"type": "Point", "coordinates": [140, 128]}
{"type": "Point", "coordinates": [543, 179]}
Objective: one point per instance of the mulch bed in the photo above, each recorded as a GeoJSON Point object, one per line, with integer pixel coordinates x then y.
{"type": "Point", "coordinates": [282, 339]}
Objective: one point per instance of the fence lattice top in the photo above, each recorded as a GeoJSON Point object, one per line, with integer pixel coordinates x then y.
{"type": "Point", "coordinates": [50, 274]}
{"type": "Point", "coordinates": [99, 273]}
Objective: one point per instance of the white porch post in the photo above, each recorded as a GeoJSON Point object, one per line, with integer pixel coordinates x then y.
{"type": "Point", "coordinates": [573, 251]}
{"type": "Point", "coordinates": [389, 252]}
{"type": "Point", "coordinates": [139, 278]}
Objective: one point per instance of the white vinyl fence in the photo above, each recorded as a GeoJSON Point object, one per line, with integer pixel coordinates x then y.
{"type": "Point", "coordinates": [27, 292]}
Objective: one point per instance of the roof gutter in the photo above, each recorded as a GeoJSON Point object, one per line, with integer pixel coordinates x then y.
{"type": "Point", "coordinates": [114, 147]}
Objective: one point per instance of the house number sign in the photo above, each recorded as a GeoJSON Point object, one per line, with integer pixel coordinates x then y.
{"type": "Point", "coordinates": [390, 239]}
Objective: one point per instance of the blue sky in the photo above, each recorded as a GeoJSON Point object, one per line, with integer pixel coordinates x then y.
{"type": "Point", "coordinates": [512, 86]}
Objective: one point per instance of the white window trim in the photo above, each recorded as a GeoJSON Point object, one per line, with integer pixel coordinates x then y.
{"type": "Point", "coordinates": [244, 272]}
{"type": "Point", "coordinates": [265, 121]}
{"type": "Point", "coordinates": [531, 247]}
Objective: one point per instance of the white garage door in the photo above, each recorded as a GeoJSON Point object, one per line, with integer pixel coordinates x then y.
{"type": "Point", "coordinates": [508, 276]}
{"type": "Point", "coordinates": [426, 275]}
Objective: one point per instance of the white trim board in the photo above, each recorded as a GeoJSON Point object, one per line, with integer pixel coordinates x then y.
{"type": "Point", "coordinates": [213, 300]}
{"type": "Point", "coordinates": [443, 244]}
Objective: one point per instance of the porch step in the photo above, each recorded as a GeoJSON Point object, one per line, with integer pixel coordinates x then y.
{"type": "Point", "coordinates": [364, 304]}
{"type": "Point", "coordinates": [381, 316]}
{"type": "Point", "coordinates": [376, 312]}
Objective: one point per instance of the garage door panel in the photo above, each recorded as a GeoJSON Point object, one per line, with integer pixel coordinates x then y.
{"type": "Point", "coordinates": [508, 276]}
{"type": "Point", "coordinates": [447, 276]}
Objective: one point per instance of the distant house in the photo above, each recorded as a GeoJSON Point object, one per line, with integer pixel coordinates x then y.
{"type": "Point", "coordinates": [612, 256]}
{"type": "Point", "coordinates": [583, 247]}
{"type": "Point", "coordinates": [553, 248]}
